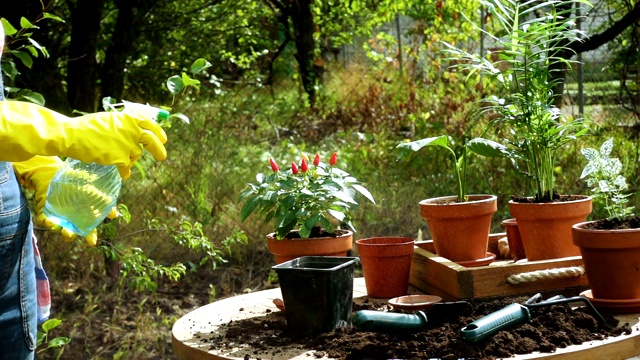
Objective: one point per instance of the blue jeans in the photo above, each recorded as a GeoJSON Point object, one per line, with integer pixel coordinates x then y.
{"type": "Point", "coordinates": [18, 297]}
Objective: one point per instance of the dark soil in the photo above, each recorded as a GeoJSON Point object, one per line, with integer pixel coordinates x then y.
{"type": "Point", "coordinates": [552, 327]}
{"type": "Point", "coordinates": [316, 232]}
{"type": "Point", "coordinates": [614, 224]}
{"type": "Point", "coordinates": [555, 198]}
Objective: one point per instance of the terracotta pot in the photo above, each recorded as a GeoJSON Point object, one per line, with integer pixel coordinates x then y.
{"type": "Point", "coordinates": [545, 228]}
{"type": "Point", "coordinates": [289, 249]}
{"type": "Point", "coordinates": [386, 263]}
{"type": "Point", "coordinates": [513, 238]}
{"type": "Point", "coordinates": [611, 261]}
{"type": "Point", "coordinates": [460, 231]}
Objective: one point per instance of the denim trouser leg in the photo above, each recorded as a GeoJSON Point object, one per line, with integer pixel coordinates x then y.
{"type": "Point", "coordinates": [18, 298]}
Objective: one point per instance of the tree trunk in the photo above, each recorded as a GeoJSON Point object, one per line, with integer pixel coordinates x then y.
{"type": "Point", "coordinates": [122, 40]}
{"type": "Point", "coordinates": [82, 70]}
{"type": "Point", "coordinates": [303, 27]}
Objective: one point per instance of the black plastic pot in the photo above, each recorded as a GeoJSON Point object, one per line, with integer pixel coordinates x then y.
{"type": "Point", "coordinates": [317, 292]}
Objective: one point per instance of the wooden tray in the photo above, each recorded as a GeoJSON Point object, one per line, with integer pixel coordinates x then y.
{"type": "Point", "coordinates": [503, 277]}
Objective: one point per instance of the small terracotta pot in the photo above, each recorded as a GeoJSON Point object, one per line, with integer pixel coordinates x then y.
{"type": "Point", "coordinates": [611, 261]}
{"type": "Point", "coordinates": [289, 249]}
{"type": "Point", "coordinates": [386, 264]}
{"type": "Point", "coordinates": [460, 231]}
{"type": "Point", "coordinates": [545, 228]}
{"type": "Point", "coordinates": [513, 238]}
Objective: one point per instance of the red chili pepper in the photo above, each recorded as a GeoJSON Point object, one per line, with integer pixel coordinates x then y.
{"type": "Point", "coordinates": [294, 168]}
{"type": "Point", "coordinates": [316, 160]}
{"type": "Point", "coordinates": [274, 166]}
{"type": "Point", "coordinates": [304, 166]}
{"type": "Point", "coordinates": [334, 159]}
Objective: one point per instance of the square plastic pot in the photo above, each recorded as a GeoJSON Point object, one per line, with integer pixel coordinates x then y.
{"type": "Point", "coordinates": [317, 292]}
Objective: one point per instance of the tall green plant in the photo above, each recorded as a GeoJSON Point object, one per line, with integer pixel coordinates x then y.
{"type": "Point", "coordinates": [531, 36]}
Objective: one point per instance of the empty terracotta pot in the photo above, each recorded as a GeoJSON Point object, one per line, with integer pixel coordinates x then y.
{"type": "Point", "coordinates": [386, 263]}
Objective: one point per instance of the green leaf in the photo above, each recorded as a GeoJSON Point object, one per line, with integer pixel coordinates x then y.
{"type": "Point", "coordinates": [337, 214]}
{"type": "Point", "coordinates": [58, 342]}
{"type": "Point", "coordinates": [407, 148]}
{"type": "Point", "coordinates": [607, 147]}
{"type": "Point", "coordinates": [590, 154]}
{"type": "Point", "coordinates": [248, 207]}
{"type": "Point", "coordinates": [47, 15]}
{"type": "Point", "coordinates": [488, 148]}
{"type": "Point", "coordinates": [31, 96]}
{"type": "Point", "coordinates": [589, 169]}
{"type": "Point", "coordinates": [199, 65]}
{"type": "Point", "coordinates": [24, 57]}
{"type": "Point", "coordinates": [51, 324]}
{"type": "Point", "coordinates": [26, 24]}
{"type": "Point", "coordinates": [9, 30]}
{"type": "Point", "coordinates": [175, 85]}
{"type": "Point", "coordinates": [141, 169]}
{"type": "Point", "coordinates": [182, 117]}
{"type": "Point", "coordinates": [362, 190]}
{"type": "Point", "coordinates": [187, 81]}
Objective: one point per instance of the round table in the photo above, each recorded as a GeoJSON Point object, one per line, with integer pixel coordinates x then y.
{"type": "Point", "coordinates": [192, 332]}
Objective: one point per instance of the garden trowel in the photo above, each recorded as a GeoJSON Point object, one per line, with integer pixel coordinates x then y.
{"type": "Point", "coordinates": [437, 314]}
{"type": "Point", "coordinates": [514, 314]}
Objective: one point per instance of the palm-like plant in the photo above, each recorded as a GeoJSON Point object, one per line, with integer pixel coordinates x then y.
{"type": "Point", "coordinates": [532, 36]}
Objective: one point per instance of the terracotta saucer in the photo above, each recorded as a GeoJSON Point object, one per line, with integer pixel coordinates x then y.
{"type": "Point", "coordinates": [630, 306]}
{"type": "Point", "coordinates": [414, 302]}
{"type": "Point", "coordinates": [479, 262]}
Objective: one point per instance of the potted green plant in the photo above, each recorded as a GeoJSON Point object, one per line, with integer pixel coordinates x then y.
{"type": "Point", "coordinates": [532, 38]}
{"type": "Point", "coordinates": [610, 247]}
{"type": "Point", "coordinates": [305, 203]}
{"type": "Point", "coordinates": [460, 224]}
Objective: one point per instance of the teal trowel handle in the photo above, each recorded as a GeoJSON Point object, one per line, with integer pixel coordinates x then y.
{"type": "Point", "coordinates": [494, 322]}
{"type": "Point", "coordinates": [381, 321]}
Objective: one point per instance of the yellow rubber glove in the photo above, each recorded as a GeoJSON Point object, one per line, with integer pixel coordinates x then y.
{"type": "Point", "coordinates": [107, 138]}
{"type": "Point", "coordinates": [37, 173]}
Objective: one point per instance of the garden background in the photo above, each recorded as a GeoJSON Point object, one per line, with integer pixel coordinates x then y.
{"type": "Point", "coordinates": [371, 77]}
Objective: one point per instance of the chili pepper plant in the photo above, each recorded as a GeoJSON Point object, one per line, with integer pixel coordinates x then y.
{"type": "Point", "coordinates": [304, 197]}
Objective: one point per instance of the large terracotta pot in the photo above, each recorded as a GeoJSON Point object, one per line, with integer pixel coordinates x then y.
{"type": "Point", "coordinates": [545, 228]}
{"type": "Point", "coordinates": [289, 249]}
{"type": "Point", "coordinates": [611, 260]}
{"type": "Point", "coordinates": [460, 230]}
{"type": "Point", "coordinates": [386, 264]}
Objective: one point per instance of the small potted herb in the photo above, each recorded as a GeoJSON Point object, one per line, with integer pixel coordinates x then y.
{"type": "Point", "coordinates": [306, 203]}
{"type": "Point", "coordinates": [460, 224]}
{"type": "Point", "coordinates": [610, 247]}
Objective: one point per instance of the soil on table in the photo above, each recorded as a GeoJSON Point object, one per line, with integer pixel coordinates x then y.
{"type": "Point", "coordinates": [551, 327]}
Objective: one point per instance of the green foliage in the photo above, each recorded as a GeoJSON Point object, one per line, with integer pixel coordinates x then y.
{"type": "Point", "coordinates": [528, 69]}
{"type": "Point", "coordinates": [21, 46]}
{"type": "Point", "coordinates": [50, 343]}
{"type": "Point", "coordinates": [603, 174]}
{"type": "Point", "coordinates": [303, 197]}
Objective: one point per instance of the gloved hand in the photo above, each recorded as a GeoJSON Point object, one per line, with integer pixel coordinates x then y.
{"type": "Point", "coordinates": [36, 173]}
{"type": "Point", "coordinates": [107, 138]}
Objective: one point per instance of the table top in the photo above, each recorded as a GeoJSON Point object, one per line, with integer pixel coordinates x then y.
{"type": "Point", "coordinates": [191, 334]}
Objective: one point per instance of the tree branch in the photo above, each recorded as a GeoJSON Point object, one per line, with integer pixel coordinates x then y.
{"type": "Point", "coordinates": [595, 41]}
